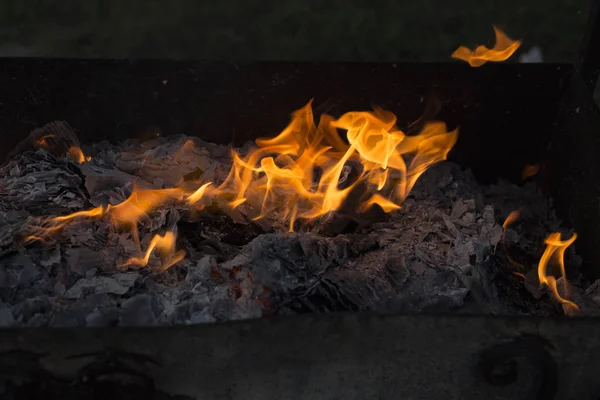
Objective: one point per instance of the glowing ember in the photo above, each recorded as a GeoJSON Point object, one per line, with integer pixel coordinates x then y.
{"type": "Point", "coordinates": [74, 153]}
{"type": "Point", "coordinates": [529, 171]}
{"type": "Point", "coordinates": [502, 50]}
{"type": "Point", "coordinates": [554, 256]}
{"type": "Point", "coordinates": [77, 155]}
{"type": "Point", "coordinates": [43, 141]}
{"type": "Point", "coordinates": [300, 174]}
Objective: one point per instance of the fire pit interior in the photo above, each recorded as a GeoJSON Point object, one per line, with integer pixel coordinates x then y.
{"type": "Point", "coordinates": [372, 229]}
{"type": "Point", "coordinates": [426, 200]}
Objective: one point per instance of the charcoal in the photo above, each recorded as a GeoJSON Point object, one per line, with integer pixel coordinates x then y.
{"type": "Point", "coordinates": [68, 317]}
{"type": "Point", "coordinates": [6, 318]}
{"type": "Point", "coordinates": [76, 314]}
{"type": "Point", "coordinates": [103, 317]}
{"type": "Point", "coordinates": [445, 250]}
{"type": "Point", "coordinates": [41, 184]}
{"type": "Point", "coordinates": [201, 317]}
{"type": "Point", "coordinates": [28, 308]}
{"type": "Point", "coordinates": [119, 284]}
{"type": "Point", "coordinates": [99, 179]}
{"type": "Point", "coordinates": [79, 260]}
{"type": "Point", "coordinates": [55, 137]}
{"type": "Point", "coordinates": [50, 256]}
{"type": "Point", "coordinates": [142, 309]}
{"type": "Point", "coordinates": [167, 163]}
{"type": "Point", "coordinates": [21, 271]}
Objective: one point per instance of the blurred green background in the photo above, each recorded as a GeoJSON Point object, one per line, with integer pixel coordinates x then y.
{"type": "Point", "coordinates": [344, 30]}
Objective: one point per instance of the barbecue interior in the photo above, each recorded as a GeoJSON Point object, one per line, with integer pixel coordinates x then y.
{"type": "Point", "coordinates": [331, 214]}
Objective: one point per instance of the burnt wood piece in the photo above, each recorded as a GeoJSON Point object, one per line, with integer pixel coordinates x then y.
{"type": "Point", "coordinates": [350, 356]}
{"type": "Point", "coordinates": [503, 111]}
{"type": "Point", "coordinates": [55, 137]}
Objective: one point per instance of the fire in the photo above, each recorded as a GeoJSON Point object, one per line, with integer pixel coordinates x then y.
{"type": "Point", "coordinates": [512, 217]}
{"type": "Point", "coordinates": [303, 173]}
{"type": "Point", "coordinates": [74, 153]}
{"type": "Point", "coordinates": [43, 140]}
{"type": "Point", "coordinates": [165, 247]}
{"type": "Point", "coordinates": [77, 155]}
{"type": "Point", "coordinates": [553, 256]}
{"type": "Point", "coordinates": [554, 253]}
{"type": "Point", "coordinates": [125, 215]}
{"type": "Point", "coordinates": [529, 171]}
{"type": "Point", "coordinates": [502, 50]}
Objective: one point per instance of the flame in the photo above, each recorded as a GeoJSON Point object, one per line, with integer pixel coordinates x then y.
{"type": "Point", "coordinates": [502, 50]}
{"type": "Point", "coordinates": [77, 155]}
{"type": "Point", "coordinates": [303, 173]}
{"type": "Point", "coordinates": [165, 246]}
{"type": "Point", "coordinates": [529, 171]}
{"type": "Point", "coordinates": [554, 252]}
{"type": "Point", "coordinates": [124, 215]}
{"type": "Point", "coordinates": [512, 217]}
{"type": "Point", "coordinates": [43, 142]}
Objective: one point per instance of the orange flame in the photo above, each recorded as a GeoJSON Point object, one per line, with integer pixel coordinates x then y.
{"type": "Point", "coordinates": [283, 172]}
{"type": "Point", "coordinates": [304, 172]}
{"type": "Point", "coordinates": [77, 155]}
{"type": "Point", "coordinates": [43, 142]}
{"type": "Point", "coordinates": [512, 217]}
{"type": "Point", "coordinates": [529, 171]}
{"type": "Point", "coordinates": [502, 50]}
{"type": "Point", "coordinates": [165, 246]}
{"type": "Point", "coordinates": [555, 251]}
{"type": "Point", "coordinates": [127, 214]}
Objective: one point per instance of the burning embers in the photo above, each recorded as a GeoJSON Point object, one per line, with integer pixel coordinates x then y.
{"type": "Point", "coordinates": [550, 264]}
{"type": "Point", "coordinates": [306, 172]}
{"type": "Point", "coordinates": [504, 48]}
{"type": "Point", "coordinates": [256, 231]}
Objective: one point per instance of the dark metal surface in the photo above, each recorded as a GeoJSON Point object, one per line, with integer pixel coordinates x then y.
{"type": "Point", "coordinates": [500, 365]}
{"type": "Point", "coordinates": [572, 172]}
{"type": "Point", "coordinates": [331, 356]}
{"type": "Point", "coordinates": [504, 112]}
{"type": "Point", "coordinates": [588, 62]}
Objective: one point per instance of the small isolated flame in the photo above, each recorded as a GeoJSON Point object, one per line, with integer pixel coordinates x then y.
{"type": "Point", "coordinates": [502, 50]}
{"type": "Point", "coordinates": [74, 153]}
{"type": "Point", "coordinates": [512, 217]}
{"type": "Point", "coordinates": [165, 247]}
{"type": "Point", "coordinates": [554, 256]}
{"type": "Point", "coordinates": [77, 155]}
{"type": "Point", "coordinates": [303, 173]}
{"type": "Point", "coordinates": [43, 141]}
{"type": "Point", "coordinates": [529, 171]}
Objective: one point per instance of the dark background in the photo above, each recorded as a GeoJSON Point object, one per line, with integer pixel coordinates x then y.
{"type": "Point", "coordinates": [342, 30]}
